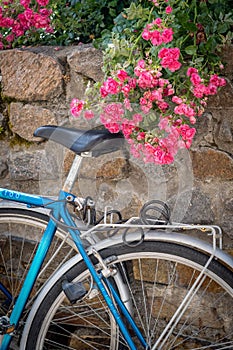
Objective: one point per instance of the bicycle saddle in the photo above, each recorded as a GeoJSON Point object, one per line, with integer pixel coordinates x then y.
{"type": "Point", "coordinates": [97, 142]}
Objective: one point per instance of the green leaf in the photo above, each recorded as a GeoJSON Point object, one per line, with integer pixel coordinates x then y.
{"type": "Point", "coordinates": [136, 12]}
{"type": "Point", "coordinates": [191, 50]}
{"type": "Point", "coordinates": [199, 60]}
{"type": "Point", "coordinates": [222, 28]}
{"type": "Point", "coordinates": [190, 26]}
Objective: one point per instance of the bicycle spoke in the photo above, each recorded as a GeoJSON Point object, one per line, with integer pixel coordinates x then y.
{"type": "Point", "coordinates": [20, 232]}
{"type": "Point", "coordinates": [176, 303]}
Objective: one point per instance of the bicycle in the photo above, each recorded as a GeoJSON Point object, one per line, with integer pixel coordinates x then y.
{"type": "Point", "coordinates": [141, 283]}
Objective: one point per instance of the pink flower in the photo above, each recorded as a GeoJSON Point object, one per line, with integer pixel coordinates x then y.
{"type": "Point", "coordinates": [141, 64]}
{"type": "Point", "coordinates": [113, 127]}
{"type": "Point", "coordinates": [115, 110]}
{"type": "Point", "coordinates": [110, 86]}
{"type": "Point", "coordinates": [195, 79]}
{"type": "Point", "coordinates": [25, 3]}
{"type": "Point", "coordinates": [43, 2]}
{"type": "Point", "coordinates": [199, 90]}
{"type": "Point", "coordinates": [132, 83]}
{"type": "Point", "coordinates": [126, 90]}
{"type": "Point", "coordinates": [76, 107]}
{"type": "Point", "coordinates": [157, 21]}
{"type": "Point", "coordinates": [146, 108]}
{"type": "Point", "coordinates": [145, 80]}
{"type": "Point", "coordinates": [10, 38]}
{"type": "Point", "coordinates": [103, 92]}
{"type": "Point", "coordinates": [137, 118]}
{"type": "Point", "coordinates": [122, 75]}
{"type": "Point", "coordinates": [146, 34]}
{"type": "Point", "coordinates": [141, 136]}
{"type": "Point", "coordinates": [150, 150]}
{"type": "Point", "coordinates": [201, 110]}
{"type": "Point", "coordinates": [192, 120]}
{"type": "Point", "coordinates": [127, 127]}
{"type": "Point", "coordinates": [191, 71]}
{"type": "Point", "coordinates": [164, 124]}
{"type": "Point", "coordinates": [155, 2]}
{"type": "Point", "coordinates": [28, 14]}
{"type": "Point", "coordinates": [163, 106]}
{"type": "Point", "coordinates": [211, 89]}
{"type": "Point", "coordinates": [168, 10]}
{"type": "Point", "coordinates": [177, 100]}
{"type": "Point", "coordinates": [162, 156]}
{"type": "Point", "coordinates": [143, 101]}
{"type": "Point", "coordinates": [88, 114]}
{"type": "Point", "coordinates": [169, 52]}
{"type": "Point", "coordinates": [187, 134]}
{"type": "Point", "coordinates": [184, 109]}
{"type": "Point", "coordinates": [45, 12]}
{"type": "Point", "coordinates": [167, 35]}
{"type": "Point", "coordinates": [156, 95]}
{"type": "Point", "coordinates": [162, 82]}
{"type": "Point", "coordinates": [18, 30]}
{"type": "Point", "coordinates": [40, 21]}
{"type": "Point", "coordinates": [6, 22]}
{"type": "Point", "coordinates": [214, 79]}
{"type": "Point", "coordinates": [146, 87]}
{"type": "Point", "coordinates": [127, 104]}
{"type": "Point", "coordinates": [170, 91]}
{"type": "Point", "coordinates": [156, 38]}
{"type": "Point", "coordinates": [170, 58]}
{"type": "Point", "coordinates": [217, 81]}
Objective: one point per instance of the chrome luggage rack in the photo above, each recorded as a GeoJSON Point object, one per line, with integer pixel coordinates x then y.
{"type": "Point", "coordinates": [109, 229]}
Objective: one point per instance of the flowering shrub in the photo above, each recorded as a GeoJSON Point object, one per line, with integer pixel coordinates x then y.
{"type": "Point", "coordinates": [19, 17]}
{"type": "Point", "coordinates": [55, 22]}
{"type": "Point", "coordinates": [159, 74]}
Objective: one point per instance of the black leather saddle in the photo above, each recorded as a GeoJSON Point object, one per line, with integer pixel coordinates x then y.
{"type": "Point", "coordinates": [95, 142]}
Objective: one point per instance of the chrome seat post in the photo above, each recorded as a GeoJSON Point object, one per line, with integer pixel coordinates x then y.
{"type": "Point", "coordinates": [73, 174]}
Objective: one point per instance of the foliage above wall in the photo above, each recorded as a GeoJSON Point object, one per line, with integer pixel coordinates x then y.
{"type": "Point", "coordinates": [55, 22]}
{"type": "Point", "coordinates": [58, 22]}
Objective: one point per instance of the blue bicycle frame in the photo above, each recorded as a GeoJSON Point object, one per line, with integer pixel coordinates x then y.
{"type": "Point", "coordinates": [59, 211]}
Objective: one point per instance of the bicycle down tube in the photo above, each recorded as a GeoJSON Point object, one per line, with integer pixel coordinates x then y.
{"type": "Point", "coordinates": [60, 211]}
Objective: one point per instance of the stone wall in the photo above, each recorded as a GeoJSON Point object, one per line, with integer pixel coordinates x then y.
{"type": "Point", "coordinates": [37, 85]}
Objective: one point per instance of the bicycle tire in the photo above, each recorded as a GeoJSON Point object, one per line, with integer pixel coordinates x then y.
{"type": "Point", "coordinates": [20, 232]}
{"type": "Point", "coordinates": [158, 275]}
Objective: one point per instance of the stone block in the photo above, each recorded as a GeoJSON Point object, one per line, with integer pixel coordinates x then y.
{"type": "Point", "coordinates": [212, 164]}
{"type": "Point", "coordinates": [195, 207]}
{"type": "Point", "coordinates": [28, 76]}
{"type": "Point", "coordinates": [32, 165]}
{"type": "Point", "coordinates": [223, 129]}
{"type": "Point", "coordinates": [86, 60]}
{"type": "Point", "coordinates": [25, 118]}
{"type": "Point", "coordinates": [223, 98]}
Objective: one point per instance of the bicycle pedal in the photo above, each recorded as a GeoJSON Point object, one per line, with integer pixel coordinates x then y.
{"type": "Point", "coordinates": [5, 326]}
{"type": "Point", "coordinates": [74, 291]}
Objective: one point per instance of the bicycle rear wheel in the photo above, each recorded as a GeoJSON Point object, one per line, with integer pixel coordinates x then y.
{"type": "Point", "coordinates": [157, 276]}
{"type": "Point", "coordinates": [20, 232]}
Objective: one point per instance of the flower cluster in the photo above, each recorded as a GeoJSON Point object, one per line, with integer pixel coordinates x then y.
{"type": "Point", "coordinates": [157, 33]}
{"type": "Point", "coordinates": [18, 18]}
{"type": "Point", "coordinates": [156, 99]}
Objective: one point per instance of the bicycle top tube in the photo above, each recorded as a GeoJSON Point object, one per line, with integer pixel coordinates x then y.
{"type": "Point", "coordinates": [29, 199]}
